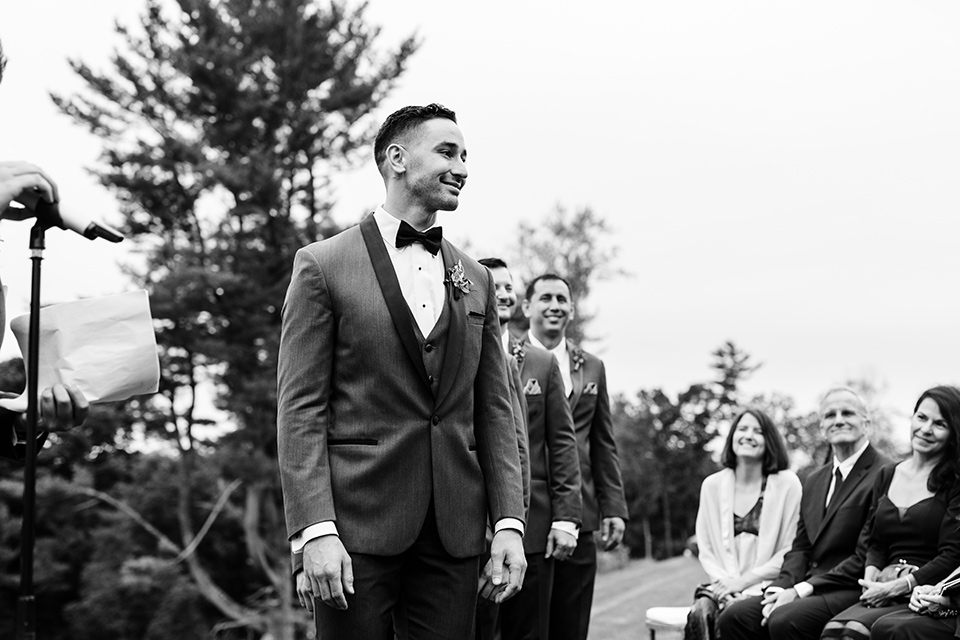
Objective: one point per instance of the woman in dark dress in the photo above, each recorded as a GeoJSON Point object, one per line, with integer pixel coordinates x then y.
{"type": "Point", "coordinates": [914, 533]}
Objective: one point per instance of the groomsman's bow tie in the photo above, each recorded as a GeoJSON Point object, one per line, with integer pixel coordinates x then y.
{"type": "Point", "coordinates": [430, 239]}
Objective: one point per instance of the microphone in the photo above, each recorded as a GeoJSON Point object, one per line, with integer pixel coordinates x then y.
{"type": "Point", "coordinates": [77, 222]}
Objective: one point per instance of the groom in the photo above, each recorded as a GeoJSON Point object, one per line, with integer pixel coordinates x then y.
{"type": "Point", "coordinates": [395, 430]}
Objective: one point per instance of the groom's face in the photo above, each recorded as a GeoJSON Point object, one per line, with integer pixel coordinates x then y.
{"type": "Point", "coordinates": [436, 167]}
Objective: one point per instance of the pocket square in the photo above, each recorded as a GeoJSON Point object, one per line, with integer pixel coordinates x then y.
{"type": "Point", "coordinates": [532, 388]}
{"type": "Point", "coordinates": [590, 389]}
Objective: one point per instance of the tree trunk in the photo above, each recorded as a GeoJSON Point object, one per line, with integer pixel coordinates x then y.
{"type": "Point", "coordinates": [647, 536]}
{"type": "Point", "coordinates": [667, 524]}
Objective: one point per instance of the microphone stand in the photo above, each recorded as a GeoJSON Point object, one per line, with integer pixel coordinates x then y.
{"type": "Point", "coordinates": [26, 625]}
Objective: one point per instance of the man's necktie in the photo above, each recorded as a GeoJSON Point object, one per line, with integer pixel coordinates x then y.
{"type": "Point", "coordinates": [838, 480]}
{"type": "Point", "coordinates": [430, 239]}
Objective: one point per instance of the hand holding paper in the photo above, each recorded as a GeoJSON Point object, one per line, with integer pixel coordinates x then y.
{"type": "Point", "coordinates": [104, 346]}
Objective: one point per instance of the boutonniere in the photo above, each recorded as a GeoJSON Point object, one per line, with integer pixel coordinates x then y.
{"type": "Point", "coordinates": [576, 357]}
{"type": "Point", "coordinates": [457, 278]}
{"type": "Point", "coordinates": [517, 351]}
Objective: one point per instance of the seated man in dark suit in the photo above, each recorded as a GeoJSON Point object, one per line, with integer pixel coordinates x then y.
{"type": "Point", "coordinates": [835, 505]}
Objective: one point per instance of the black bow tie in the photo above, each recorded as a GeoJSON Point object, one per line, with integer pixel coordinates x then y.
{"type": "Point", "coordinates": [430, 239]}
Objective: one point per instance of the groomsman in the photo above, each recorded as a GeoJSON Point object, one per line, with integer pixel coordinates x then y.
{"type": "Point", "coordinates": [835, 505]}
{"type": "Point", "coordinates": [549, 307]}
{"type": "Point", "coordinates": [555, 504]}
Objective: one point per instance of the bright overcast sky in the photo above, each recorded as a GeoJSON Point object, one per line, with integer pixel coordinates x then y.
{"type": "Point", "coordinates": [781, 174]}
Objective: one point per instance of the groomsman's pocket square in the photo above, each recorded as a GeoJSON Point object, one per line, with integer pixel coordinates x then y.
{"type": "Point", "coordinates": [590, 389]}
{"type": "Point", "coordinates": [532, 388]}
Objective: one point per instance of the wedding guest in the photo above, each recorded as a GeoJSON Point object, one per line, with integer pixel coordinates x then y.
{"type": "Point", "coordinates": [833, 509]}
{"type": "Point", "coordinates": [933, 615]}
{"type": "Point", "coordinates": [913, 536]}
{"type": "Point", "coordinates": [746, 521]}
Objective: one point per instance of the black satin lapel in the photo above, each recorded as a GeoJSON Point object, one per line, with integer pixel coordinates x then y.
{"type": "Point", "coordinates": [453, 352]}
{"type": "Point", "coordinates": [390, 287]}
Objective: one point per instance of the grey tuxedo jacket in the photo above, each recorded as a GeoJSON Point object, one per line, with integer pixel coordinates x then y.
{"type": "Point", "coordinates": [366, 437]}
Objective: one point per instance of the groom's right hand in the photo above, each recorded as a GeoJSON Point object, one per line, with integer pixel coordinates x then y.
{"type": "Point", "coordinates": [327, 573]}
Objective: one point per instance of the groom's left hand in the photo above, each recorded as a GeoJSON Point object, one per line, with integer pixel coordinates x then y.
{"type": "Point", "coordinates": [508, 564]}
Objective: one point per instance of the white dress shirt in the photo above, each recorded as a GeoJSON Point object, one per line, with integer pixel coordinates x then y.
{"type": "Point", "coordinates": [420, 274]}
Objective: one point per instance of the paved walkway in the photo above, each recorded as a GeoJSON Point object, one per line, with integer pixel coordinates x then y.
{"type": "Point", "coordinates": [621, 597]}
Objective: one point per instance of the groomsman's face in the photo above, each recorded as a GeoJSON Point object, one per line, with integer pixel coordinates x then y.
{"type": "Point", "coordinates": [506, 297]}
{"type": "Point", "coordinates": [550, 309]}
{"type": "Point", "coordinates": [435, 167]}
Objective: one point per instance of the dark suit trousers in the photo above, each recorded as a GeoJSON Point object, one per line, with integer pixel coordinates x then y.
{"type": "Point", "coordinates": [805, 618]}
{"type": "Point", "coordinates": [741, 621]}
{"type": "Point", "coordinates": [526, 616]}
{"type": "Point", "coordinates": [424, 593]}
{"type": "Point", "coordinates": [573, 591]}
{"type": "Point", "coordinates": [907, 625]}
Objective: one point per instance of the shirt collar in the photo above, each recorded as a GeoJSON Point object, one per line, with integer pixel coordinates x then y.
{"type": "Point", "coordinates": [389, 225]}
{"type": "Point", "coordinates": [557, 350]}
{"type": "Point", "coordinates": [847, 465]}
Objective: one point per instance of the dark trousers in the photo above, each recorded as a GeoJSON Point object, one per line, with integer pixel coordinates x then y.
{"type": "Point", "coordinates": [907, 625]}
{"type": "Point", "coordinates": [526, 616]}
{"type": "Point", "coordinates": [741, 620]}
{"type": "Point", "coordinates": [804, 619]}
{"type": "Point", "coordinates": [573, 581]}
{"type": "Point", "coordinates": [488, 613]}
{"type": "Point", "coordinates": [423, 593]}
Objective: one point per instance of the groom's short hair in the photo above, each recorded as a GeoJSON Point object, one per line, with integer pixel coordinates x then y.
{"type": "Point", "coordinates": [3, 62]}
{"type": "Point", "coordinates": [401, 122]}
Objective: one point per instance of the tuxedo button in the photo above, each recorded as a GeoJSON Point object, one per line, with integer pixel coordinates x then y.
{"type": "Point", "coordinates": [428, 347]}
{"type": "Point", "coordinates": [435, 420]}
{"type": "Point", "coordinates": [431, 379]}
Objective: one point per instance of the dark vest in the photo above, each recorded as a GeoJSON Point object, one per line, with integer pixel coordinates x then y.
{"type": "Point", "coordinates": [435, 345]}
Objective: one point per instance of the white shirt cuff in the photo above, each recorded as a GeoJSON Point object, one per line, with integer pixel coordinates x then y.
{"type": "Point", "coordinates": [804, 589]}
{"type": "Point", "coordinates": [508, 523]}
{"type": "Point", "coordinates": [326, 528]}
{"type": "Point", "coordinates": [566, 527]}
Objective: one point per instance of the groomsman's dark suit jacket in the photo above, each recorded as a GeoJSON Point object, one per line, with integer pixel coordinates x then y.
{"type": "Point", "coordinates": [519, 404]}
{"type": "Point", "coordinates": [601, 482]}
{"type": "Point", "coordinates": [554, 467]}
{"type": "Point", "coordinates": [374, 420]}
{"type": "Point", "coordinates": [826, 539]}
{"type": "Point", "coordinates": [601, 490]}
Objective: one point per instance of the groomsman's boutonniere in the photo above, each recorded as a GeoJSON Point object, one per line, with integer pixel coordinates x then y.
{"type": "Point", "coordinates": [456, 277]}
{"type": "Point", "coordinates": [517, 351]}
{"type": "Point", "coordinates": [576, 357]}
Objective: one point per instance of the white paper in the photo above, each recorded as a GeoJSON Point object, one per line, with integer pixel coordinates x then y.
{"type": "Point", "coordinates": [105, 346]}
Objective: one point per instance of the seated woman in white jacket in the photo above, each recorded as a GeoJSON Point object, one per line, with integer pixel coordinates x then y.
{"type": "Point", "coordinates": [746, 521]}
